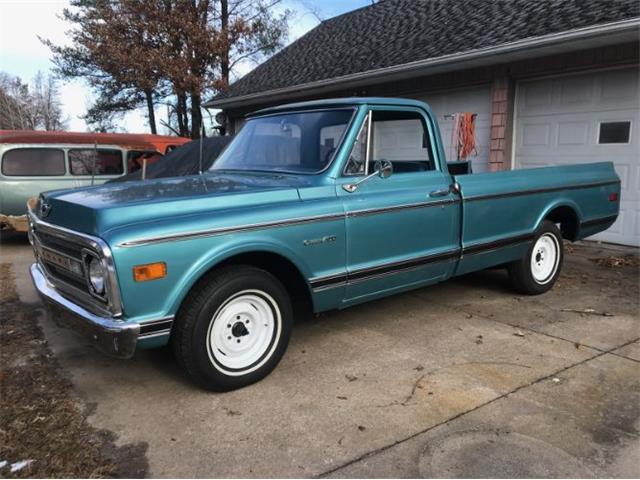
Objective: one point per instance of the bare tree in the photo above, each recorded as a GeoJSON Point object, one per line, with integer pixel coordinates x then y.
{"type": "Point", "coordinates": [171, 52]}
{"type": "Point", "coordinates": [30, 107]}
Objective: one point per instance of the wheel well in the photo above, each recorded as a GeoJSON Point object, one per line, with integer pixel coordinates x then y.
{"type": "Point", "coordinates": [281, 268]}
{"type": "Point", "coordinates": [568, 220]}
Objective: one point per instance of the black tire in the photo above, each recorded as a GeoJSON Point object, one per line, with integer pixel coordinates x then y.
{"type": "Point", "coordinates": [205, 313]}
{"type": "Point", "coordinates": [523, 277]}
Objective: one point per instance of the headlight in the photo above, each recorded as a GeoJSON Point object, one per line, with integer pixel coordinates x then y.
{"type": "Point", "coordinates": [96, 275]}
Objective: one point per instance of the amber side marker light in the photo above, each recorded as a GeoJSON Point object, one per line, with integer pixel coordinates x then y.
{"type": "Point", "coordinates": [150, 271]}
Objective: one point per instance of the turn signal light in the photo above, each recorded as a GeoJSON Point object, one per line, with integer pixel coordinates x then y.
{"type": "Point", "coordinates": [150, 271]}
{"type": "Point", "coordinates": [613, 197]}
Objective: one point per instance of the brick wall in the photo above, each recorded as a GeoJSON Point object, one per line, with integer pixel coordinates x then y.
{"type": "Point", "coordinates": [501, 115]}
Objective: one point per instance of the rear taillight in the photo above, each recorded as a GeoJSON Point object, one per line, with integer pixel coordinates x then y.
{"type": "Point", "coordinates": [613, 197]}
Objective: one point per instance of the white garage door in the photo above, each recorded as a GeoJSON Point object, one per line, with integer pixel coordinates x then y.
{"type": "Point", "coordinates": [589, 117]}
{"type": "Point", "coordinates": [476, 100]}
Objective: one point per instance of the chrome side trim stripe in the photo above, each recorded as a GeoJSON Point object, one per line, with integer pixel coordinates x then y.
{"type": "Point", "coordinates": [332, 281]}
{"type": "Point", "coordinates": [539, 190]}
{"type": "Point", "coordinates": [281, 223]}
{"type": "Point", "coordinates": [236, 229]}
{"type": "Point", "coordinates": [599, 221]}
{"type": "Point", "coordinates": [155, 326]}
{"type": "Point", "coordinates": [375, 211]}
{"type": "Point", "coordinates": [159, 333]}
{"type": "Point", "coordinates": [493, 245]}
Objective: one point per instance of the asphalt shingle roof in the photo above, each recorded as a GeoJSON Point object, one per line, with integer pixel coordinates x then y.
{"type": "Point", "coordinates": [395, 32]}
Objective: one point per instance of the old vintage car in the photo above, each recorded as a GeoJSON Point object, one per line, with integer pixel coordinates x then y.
{"type": "Point", "coordinates": [35, 161]}
{"type": "Point", "coordinates": [332, 202]}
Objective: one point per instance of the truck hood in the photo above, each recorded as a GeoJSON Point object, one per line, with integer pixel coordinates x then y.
{"type": "Point", "coordinates": [96, 210]}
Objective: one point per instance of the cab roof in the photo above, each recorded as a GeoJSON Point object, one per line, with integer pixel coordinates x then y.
{"type": "Point", "coordinates": [343, 102]}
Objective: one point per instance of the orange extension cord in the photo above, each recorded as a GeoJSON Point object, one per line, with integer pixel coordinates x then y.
{"type": "Point", "coordinates": [463, 138]}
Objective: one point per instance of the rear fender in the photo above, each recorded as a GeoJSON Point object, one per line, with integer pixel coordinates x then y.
{"type": "Point", "coordinates": [556, 204]}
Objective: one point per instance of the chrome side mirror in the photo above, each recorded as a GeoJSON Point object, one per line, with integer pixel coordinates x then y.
{"type": "Point", "coordinates": [382, 169]}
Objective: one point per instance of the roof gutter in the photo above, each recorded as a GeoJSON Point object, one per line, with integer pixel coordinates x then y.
{"type": "Point", "coordinates": [615, 31]}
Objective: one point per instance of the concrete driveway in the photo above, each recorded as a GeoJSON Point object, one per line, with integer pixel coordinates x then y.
{"type": "Point", "coordinates": [464, 379]}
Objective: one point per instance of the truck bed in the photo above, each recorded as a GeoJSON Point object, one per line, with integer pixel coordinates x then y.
{"type": "Point", "coordinates": [502, 206]}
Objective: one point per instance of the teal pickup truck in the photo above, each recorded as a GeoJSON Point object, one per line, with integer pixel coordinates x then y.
{"type": "Point", "coordinates": [331, 203]}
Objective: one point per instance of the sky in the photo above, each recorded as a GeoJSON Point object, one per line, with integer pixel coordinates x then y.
{"type": "Point", "coordinates": [22, 54]}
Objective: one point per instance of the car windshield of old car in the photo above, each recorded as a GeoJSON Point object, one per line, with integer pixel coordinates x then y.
{"type": "Point", "coordinates": [297, 142]}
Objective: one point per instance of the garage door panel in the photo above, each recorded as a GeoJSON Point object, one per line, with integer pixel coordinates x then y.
{"type": "Point", "coordinates": [536, 135]}
{"type": "Point", "coordinates": [573, 133]}
{"type": "Point", "coordinates": [619, 88]}
{"type": "Point", "coordinates": [558, 122]}
{"type": "Point", "coordinates": [536, 97]}
{"type": "Point", "coordinates": [576, 90]}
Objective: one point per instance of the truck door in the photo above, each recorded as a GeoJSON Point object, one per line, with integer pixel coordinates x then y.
{"type": "Point", "coordinates": [402, 231]}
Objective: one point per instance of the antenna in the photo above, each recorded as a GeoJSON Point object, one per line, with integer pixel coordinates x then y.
{"type": "Point", "coordinates": [95, 157]}
{"type": "Point", "coordinates": [201, 140]}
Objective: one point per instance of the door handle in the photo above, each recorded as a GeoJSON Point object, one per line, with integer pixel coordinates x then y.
{"type": "Point", "coordinates": [440, 193]}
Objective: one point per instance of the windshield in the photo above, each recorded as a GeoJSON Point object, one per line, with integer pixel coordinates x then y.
{"type": "Point", "coordinates": [303, 142]}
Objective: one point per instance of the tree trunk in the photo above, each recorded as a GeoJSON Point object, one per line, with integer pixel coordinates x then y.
{"type": "Point", "coordinates": [181, 113]}
{"type": "Point", "coordinates": [224, 60]}
{"type": "Point", "coordinates": [151, 113]}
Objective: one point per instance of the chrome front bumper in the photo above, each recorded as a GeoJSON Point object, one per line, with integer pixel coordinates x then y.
{"type": "Point", "coordinates": [113, 337]}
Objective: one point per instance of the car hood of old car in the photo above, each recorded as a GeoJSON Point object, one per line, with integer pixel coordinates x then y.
{"type": "Point", "coordinates": [95, 210]}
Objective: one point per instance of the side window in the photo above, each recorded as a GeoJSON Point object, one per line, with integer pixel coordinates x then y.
{"type": "Point", "coordinates": [33, 162]}
{"type": "Point", "coordinates": [356, 165]}
{"type": "Point", "coordinates": [402, 138]}
{"type": "Point", "coordinates": [135, 159]}
{"type": "Point", "coordinates": [107, 162]}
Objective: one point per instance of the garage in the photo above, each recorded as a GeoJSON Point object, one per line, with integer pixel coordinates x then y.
{"type": "Point", "coordinates": [473, 99]}
{"type": "Point", "coordinates": [587, 117]}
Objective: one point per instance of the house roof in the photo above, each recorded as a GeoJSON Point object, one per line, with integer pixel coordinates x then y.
{"type": "Point", "coordinates": [398, 32]}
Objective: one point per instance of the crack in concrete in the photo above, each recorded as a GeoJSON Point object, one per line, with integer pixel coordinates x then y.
{"type": "Point", "coordinates": [517, 327]}
{"type": "Point", "coordinates": [461, 414]}
{"type": "Point", "coordinates": [575, 342]}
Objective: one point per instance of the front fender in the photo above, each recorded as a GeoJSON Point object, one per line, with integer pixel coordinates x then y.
{"type": "Point", "coordinates": [211, 258]}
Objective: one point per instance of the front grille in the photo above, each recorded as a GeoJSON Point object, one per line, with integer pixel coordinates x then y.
{"type": "Point", "coordinates": [59, 253]}
{"type": "Point", "coordinates": [59, 245]}
{"type": "Point", "coordinates": [61, 259]}
{"type": "Point", "coordinates": [66, 276]}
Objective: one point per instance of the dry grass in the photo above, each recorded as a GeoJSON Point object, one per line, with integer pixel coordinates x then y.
{"type": "Point", "coordinates": [617, 262]}
{"type": "Point", "coordinates": [39, 418]}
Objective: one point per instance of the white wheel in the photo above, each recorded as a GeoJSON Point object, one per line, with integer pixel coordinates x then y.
{"type": "Point", "coordinates": [545, 258]}
{"type": "Point", "coordinates": [244, 332]}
